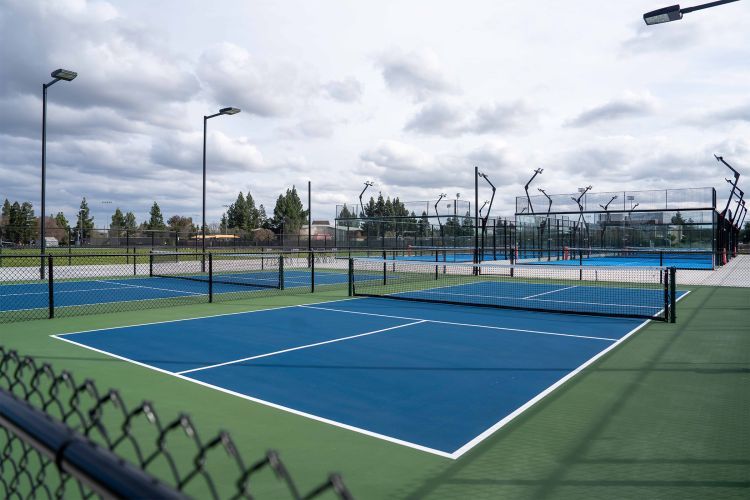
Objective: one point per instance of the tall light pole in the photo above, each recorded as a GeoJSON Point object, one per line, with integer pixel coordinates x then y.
{"type": "Point", "coordinates": [674, 12]}
{"type": "Point", "coordinates": [58, 74]}
{"type": "Point", "coordinates": [222, 111]}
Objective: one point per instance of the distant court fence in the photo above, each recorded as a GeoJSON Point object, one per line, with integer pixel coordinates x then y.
{"type": "Point", "coordinates": [62, 437]}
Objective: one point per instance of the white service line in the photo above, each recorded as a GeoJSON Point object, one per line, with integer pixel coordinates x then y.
{"type": "Point", "coordinates": [470, 325]}
{"type": "Point", "coordinates": [217, 365]}
{"type": "Point", "coordinates": [551, 291]}
{"type": "Point", "coordinates": [148, 287]}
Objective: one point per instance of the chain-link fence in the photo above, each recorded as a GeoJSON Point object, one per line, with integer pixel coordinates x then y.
{"type": "Point", "coordinates": [62, 437]}
{"type": "Point", "coordinates": [37, 287]}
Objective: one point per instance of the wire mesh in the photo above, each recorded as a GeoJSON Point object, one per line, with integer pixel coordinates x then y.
{"type": "Point", "coordinates": [170, 449]}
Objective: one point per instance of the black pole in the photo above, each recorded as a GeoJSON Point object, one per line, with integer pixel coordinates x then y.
{"type": "Point", "coordinates": [309, 216]}
{"type": "Point", "coordinates": [687, 10]}
{"type": "Point", "coordinates": [43, 241]}
{"type": "Point", "coordinates": [476, 215]}
{"type": "Point", "coordinates": [203, 224]}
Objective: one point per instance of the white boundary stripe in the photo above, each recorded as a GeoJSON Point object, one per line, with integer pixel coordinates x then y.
{"type": "Point", "coordinates": [192, 318]}
{"type": "Point", "coordinates": [469, 325]}
{"type": "Point", "coordinates": [46, 292]}
{"type": "Point", "coordinates": [455, 455]}
{"type": "Point", "coordinates": [452, 294]}
{"type": "Point", "coordinates": [217, 365]}
{"type": "Point", "coordinates": [266, 403]}
{"type": "Point", "coordinates": [128, 285]}
{"type": "Point", "coordinates": [551, 291]}
{"type": "Point", "coordinates": [487, 433]}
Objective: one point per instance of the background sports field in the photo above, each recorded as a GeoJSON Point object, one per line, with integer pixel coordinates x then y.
{"type": "Point", "coordinates": [664, 415]}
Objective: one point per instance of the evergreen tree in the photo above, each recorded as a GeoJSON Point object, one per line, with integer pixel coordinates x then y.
{"type": "Point", "coordinates": [288, 214]}
{"type": "Point", "coordinates": [130, 222]}
{"type": "Point", "coordinates": [253, 214]}
{"type": "Point", "coordinates": [118, 219]}
{"type": "Point", "coordinates": [263, 219]}
{"type": "Point", "coordinates": [5, 217]}
{"type": "Point", "coordinates": [83, 220]}
{"type": "Point", "coordinates": [223, 222]}
{"type": "Point", "coordinates": [237, 213]}
{"type": "Point", "coordinates": [424, 226]}
{"type": "Point", "coordinates": [677, 219]}
{"type": "Point", "coordinates": [156, 219]}
{"type": "Point", "coordinates": [62, 221]}
{"type": "Point", "coordinates": [26, 222]}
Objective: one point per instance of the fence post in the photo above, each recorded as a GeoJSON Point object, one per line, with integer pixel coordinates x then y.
{"type": "Point", "coordinates": [135, 267]}
{"type": "Point", "coordinates": [311, 256]}
{"type": "Point", "coordinates": [281, 271]}
{"type": "Point", "coordinates": [673, 294]}
{"type": "Point", "coordinates": [210, 278]}
{"type": "Point", "coordinates": [151, 264]}
{"type": "Point", "coordinates": [51, 287]}
{"type": "Point", "coordinates": [351, 277]}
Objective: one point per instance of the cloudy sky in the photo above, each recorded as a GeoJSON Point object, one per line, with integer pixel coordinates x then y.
{"type": "Point", "coordinates": [410, 94]}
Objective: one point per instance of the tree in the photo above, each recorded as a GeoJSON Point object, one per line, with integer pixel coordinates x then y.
{"type": "Point", "coordinates": [677, 219]}
{"type": "Point", "coordinates": [253, 214]}
{"type": "Point", "coordinates": [156, 219]}
{"type": "Point", "coordinates": [118, 219]}
{"type": "Point", "coordinates": [424, 226]}
{"type": "Point", "coordinates": [223, 224]}
{"type": "Point", "coordinates": [130, 222]}
{"type": "Point", "coordinates": [180, 224]}
{"type": "Point", "coordinates": [237, 213]}
{"type": "Point", "coordinates": [746, 233]}
{"type": "Point", "coordinates": [346, 214]}
{"type": "Point", "coordinates": [62, 222]}
{"type": "Point", "coordinates": [288, 214]}
{"type": "Point", "coordinates": [265, 222]}
{"type": "Point", "coordinates": [5, 217]}
{"type": "Point", "coordinates": [83, 221]}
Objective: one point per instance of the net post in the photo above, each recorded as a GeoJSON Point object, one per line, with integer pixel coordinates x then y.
{"type": "Point", "coordinates": [135, 269]}
{"type": "Point", "coordinates": [151, 264]}
{"type": "Point", "coordinates": [673, 294]}
{"type": "Point", "coordinates": [351, 277]}
{"type": "Point", "coordinates": [311, 257]}
{"type": "Point", "coordinates": [385, 273]}
{"type": "Point", "coordinates": [210, 278]}
{"type": "Point", "coordinates": [281, 272]}
{"type": "Point", "coordinates": [51, 287]}
{"type": "Point", "coordinates": [664, 279]}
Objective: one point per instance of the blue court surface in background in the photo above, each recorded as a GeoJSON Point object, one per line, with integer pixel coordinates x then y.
{"type": "Point", "coordinates": [25, 296]}
{"type": "Point", "coordinates": [435, 377]}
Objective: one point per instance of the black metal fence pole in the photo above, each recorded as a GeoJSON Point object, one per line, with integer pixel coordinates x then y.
{"type": "Point", "coordinates": [51, 287]}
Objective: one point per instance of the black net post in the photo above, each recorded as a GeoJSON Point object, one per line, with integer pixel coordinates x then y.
{"type": "Point", "coordinates": [210, 278]}
{"type": "Point", "coordinates": [51, 287]}
{"type": "Point", "coordinates": [667, 298]}
{"type": "Point", "coordinates": [673, 294]}
{"type": "Point", "coordinates": [311, 257]}
{"type": "Point", "coordinates": [151, 264]}
{"type": "Point", "coordinates": [351, 277]}
{"type": "Point", "coordinates": [281, 272]}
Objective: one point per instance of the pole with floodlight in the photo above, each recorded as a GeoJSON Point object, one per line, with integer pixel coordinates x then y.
{"type": "Point", "coordinates": [58, 74]}
{"type": "Point", "coordinates": [222, 111]}
{"type": "Point", "coordinates": [674, 12]}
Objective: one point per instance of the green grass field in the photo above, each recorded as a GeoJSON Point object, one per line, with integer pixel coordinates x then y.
{"type": "Point", "coordinates": [665, 415]}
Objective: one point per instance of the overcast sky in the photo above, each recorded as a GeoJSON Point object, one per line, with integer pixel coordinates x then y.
{"type": "Point", "coordinates": [409, 94]}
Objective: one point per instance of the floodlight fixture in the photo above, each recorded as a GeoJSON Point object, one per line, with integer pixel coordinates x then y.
{"type": "Point", "coordinates": [229, 111]}
{"type": "Point", "coordinates": [64, 74]}
{"type": "Point", "coordinates": [674, 12]}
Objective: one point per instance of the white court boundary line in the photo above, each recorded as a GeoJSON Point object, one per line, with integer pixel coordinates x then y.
{"type": "Point", "coordinates": [308, 346]}
{"type": "Point", "coordinates": [469, 325]}
{"type": "Point", "coordinates": [551, 291]}
{"type": "Point", "coordinates": [454, 455]}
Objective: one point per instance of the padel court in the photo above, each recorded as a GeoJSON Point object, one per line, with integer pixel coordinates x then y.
{"type": "Point", "coordinates": [436, 377]}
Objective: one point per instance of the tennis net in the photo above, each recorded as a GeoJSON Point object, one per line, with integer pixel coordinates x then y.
{"type": "Point", "coordinates": [243, 269]}
{"type": "Point", "coordinates": [637, 292]}
{"type": "Point", "coordinates": [685, 258]}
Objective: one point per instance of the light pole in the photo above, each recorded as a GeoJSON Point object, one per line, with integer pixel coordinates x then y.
{"type": "Point", "coordinates": [222, 111]}
{"type": "Point", "coordinates": [674, 12]}
{"type": "Point", "coordinates": [58, 74]}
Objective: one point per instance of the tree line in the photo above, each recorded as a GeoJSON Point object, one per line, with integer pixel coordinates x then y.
{"type": "Point", "coordinates": [20, 225]}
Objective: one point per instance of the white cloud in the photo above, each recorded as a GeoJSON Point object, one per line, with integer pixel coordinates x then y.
{"type": "Point", "coordinates": [630, 105]}
{"type": "Point", "coordinates": [418, 74]}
